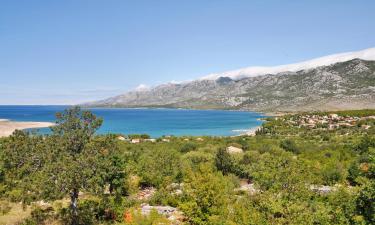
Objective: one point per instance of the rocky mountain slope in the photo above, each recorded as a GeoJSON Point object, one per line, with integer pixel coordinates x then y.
{"type": "Point", "coordinates": [342, 85]}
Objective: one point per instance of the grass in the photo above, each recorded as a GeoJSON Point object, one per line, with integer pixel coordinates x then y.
{"type": "Point", "coordinates": [16, 215]}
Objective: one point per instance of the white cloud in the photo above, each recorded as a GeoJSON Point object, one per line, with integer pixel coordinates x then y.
{"type": "Point", "coordinates": [142, 87]}
{"type": "Point", "coordinates": [367, 54]}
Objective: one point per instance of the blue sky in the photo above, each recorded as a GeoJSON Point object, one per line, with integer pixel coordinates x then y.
{"type": "Point", "coordinates": [72, 51]}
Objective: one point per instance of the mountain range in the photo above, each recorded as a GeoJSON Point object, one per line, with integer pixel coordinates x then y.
{"type": "Point", "coordinates": [334, 82]}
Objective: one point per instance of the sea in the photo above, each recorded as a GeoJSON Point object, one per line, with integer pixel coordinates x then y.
{"type": "Point", "coordinates": [155, 122]}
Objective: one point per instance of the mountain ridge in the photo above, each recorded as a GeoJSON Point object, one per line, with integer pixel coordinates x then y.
{"type": "Point", "coordinates": [342, 85]}
{"type": "Point", "coordinates": [366, 54]}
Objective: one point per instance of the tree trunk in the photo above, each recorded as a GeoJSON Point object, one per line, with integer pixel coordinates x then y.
{"type": "Point", "coordinates": [73, 205]}
{"type": "Point", "coordinates": [110, 188]}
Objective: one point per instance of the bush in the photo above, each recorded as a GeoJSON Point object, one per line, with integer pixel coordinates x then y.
{"type": "Point", "coordinates": [15, 195]}
{"type": "Point", "coordinates": [187, 147]}
{"type": "Point", "coordinates": [366, 202]}
{"type": "Point", "coordinates": [194, 159]}
{"type": "Point", "coordinates": [137, 218]}
{"type": "Point", "coordinates": [224, 161]}
{"type": "Point", "coordinates": [87, 211]}
{"type": "Point", "coordinates": [158, 165]}
{"type": "Point", "coordinates": [332, 174]}
{"type": "Point", "coordinates": [290, 146]}
{"type": "Point", "coordinates": [365, 144]}
{"type": "Point", "coordinates": [39, 216]}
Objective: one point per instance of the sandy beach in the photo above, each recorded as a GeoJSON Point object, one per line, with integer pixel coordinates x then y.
{"type": "Point", "coordinates": [7, 127]}
{"type": "Point", "coordinates": [252, 131]}
{"type": "Point", "coordinates": [249, 132]}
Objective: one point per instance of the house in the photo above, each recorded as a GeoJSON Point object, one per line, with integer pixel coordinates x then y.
{"type": "Point", "coordinates": [150, 140]}
{"type": "Point", "coordinates": [135, 141]}
{"type": "Point", "coordinates": [234, 150]}
{"type": "Point", "coordinates": [165, 140]}
{"type": "Point", "coordinates": [121, 138]}
{"type": "Point", "coordinates": [366, 127]}
{"type": "Point", "coordinates": [332, 126]}
{"type": "Point", "coordinates": [200, 139]}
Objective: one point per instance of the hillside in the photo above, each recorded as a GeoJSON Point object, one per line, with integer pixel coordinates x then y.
{"type": "Point", "coordinates": [339, 86]}
{"type": "Point", "coordinates": [305, 168]}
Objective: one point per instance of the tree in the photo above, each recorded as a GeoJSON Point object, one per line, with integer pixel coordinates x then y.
{"type": "Point", "coordinates": [206, 197]}
{"type": "Point", "coordinates": [159, 165]}
{"type": "Point", "coordinates": [74, 131]}
{"type": "Point", "coordinates": [366, 142]}
{"type": "Point", "coordinates": [290, 146]}
{"type": "Point", "coordinates": [187, 147]}
{"type": "Point", "coordinates": [223, 161]}
{"type": "Point", "coordinates": [366, 202]}
{"type": "Point", "coordinates": [70, 160]}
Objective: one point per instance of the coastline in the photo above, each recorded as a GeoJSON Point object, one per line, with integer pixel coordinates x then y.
{"type": "Point", "coordinates": [7, 127]}
{"type": "Point", "coordinates": [197, 118]}
{"type": "Point", "coordinates": [251, 131]}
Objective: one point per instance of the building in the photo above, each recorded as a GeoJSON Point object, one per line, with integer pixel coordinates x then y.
{"type": "Point", "coordinates": [135, 141]}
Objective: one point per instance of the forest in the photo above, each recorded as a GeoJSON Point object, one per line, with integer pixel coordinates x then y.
{"type": "Point", "coordinates": [307, 168]}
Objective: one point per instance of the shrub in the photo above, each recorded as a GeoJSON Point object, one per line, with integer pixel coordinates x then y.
{"type": "Point", "coordinates": [187, 147]}
{"type": "Point", "coordinates": [366, 202]}
{"type": "Point", "coordinates": [15, 195]}
{"type": "Point", "coordinates": [290, 146]}
{"type": "Point", "coordinates": [39, 216]}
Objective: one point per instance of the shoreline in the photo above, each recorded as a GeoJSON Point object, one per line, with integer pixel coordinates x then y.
{"type": "Point", "coordinates": [251, 131]}
{"type": "Point", "coordinates": [7, 127]}
{"type": "Point", "coordinates": [248, 132]}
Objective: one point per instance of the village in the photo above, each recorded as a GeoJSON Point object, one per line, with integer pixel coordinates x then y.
{"type": "Point", "coordinates": [138, 140]}
{"type": "Point", "coordinates": [330, 121]}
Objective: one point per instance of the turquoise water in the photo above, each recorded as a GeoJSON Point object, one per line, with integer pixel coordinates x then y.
{"type": "Point", "coordinates": [155, 122]}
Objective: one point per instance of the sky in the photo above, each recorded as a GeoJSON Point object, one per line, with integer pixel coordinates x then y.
{"type": "Point", "coordinates": [74, 51]}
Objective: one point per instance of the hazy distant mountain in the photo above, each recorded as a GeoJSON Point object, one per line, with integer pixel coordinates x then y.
{"type": "Point", "coordinates": [341, 81]}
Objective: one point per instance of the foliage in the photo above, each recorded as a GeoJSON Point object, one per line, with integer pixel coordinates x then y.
{"type": "Point", "coordinates": [289, 145]}
{"type": "Point", "coordinates": [206, 196]}
{"type": "Point", "coordinates": [284, 165]}
{"type": "Point", "coordinates": [190, 146]}
{"type": "Point", "coordinates": [71, 160]}
{"type": "Point", "coordinates": [39, 216]}
{"type": "Point", "coordinates": [223, 161]}
{"type": "Point", "coordinates": [366, 202]}
{"type": "Point", "coordinates": [159, 165]}
{"type": "Point", "coordinates": [139, 136]}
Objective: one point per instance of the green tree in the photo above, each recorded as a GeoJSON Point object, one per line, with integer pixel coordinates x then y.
{"type": "Point", "coordinates": [69, 161]}
{"type": "Point", "coordinates": [206, 197]}
{"type": "Point", "coordinates": [366, 202]}
{"type": "Point", "coordinates": [223, 161]}
{"type": "Point", "coordinates": [74, 131]}
{"type": "Point", "coordinates": [158, 165]}
{"type": "Point", "coordinates": [366, 142]}
{"type": "Point", "coordinates": [187, 147]}
{"type": "Point", "coordinates": [290, 146]}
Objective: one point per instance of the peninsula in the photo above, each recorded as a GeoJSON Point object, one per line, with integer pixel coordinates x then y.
{"type": "Point", "coordinates": [7, 127]}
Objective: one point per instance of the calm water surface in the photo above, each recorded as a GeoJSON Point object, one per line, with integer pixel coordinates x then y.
{"type": "Point", "coordinates": [155, 122]}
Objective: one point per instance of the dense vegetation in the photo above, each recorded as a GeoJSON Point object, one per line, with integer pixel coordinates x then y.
{"type": "Point", "coordinates": [286, 174]}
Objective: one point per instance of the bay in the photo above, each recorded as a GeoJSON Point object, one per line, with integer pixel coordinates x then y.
{"type": "Point", "coordinates": [155, 122]}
